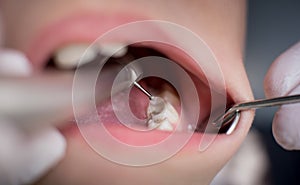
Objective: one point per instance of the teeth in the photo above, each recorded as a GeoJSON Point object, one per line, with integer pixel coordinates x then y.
{"type": "Point", "coordinates": [169, 94]}
{"type": "Point", "coordinates": [164, 125]}
{"type": "Point", "coordinates": [161, 115]}
{"type": "Point", "coordinates": [113, 49]}
{"type": "Point", "coordinates": [69, 56]}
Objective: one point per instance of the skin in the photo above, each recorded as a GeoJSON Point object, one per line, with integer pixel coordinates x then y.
{"type": "Point", "coordinates": [220, 23]}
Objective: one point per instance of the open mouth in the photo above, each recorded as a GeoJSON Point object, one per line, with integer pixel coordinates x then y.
{"type": "Point", "coordinates": [164, 119]}
{"type": "Point", "coordinates": [65, 54]}
{"type": "Point", "coordinates": [49, 30]}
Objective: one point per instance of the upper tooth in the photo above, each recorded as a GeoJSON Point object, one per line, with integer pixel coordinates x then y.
{"type": "Point", "coordinates": [69, 56]}
{"type": "Point", "coordinates": [113, 49]}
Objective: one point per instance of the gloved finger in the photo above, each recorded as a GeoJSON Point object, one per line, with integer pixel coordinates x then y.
{"type": "Point", "coordinates": [14, 63]}
{"type": "Point", "coordinates": [283, 78]}
{"type": "Point", "coordinates": [286, 125]}
{"type": "Point", "coordinates": [25, 156]}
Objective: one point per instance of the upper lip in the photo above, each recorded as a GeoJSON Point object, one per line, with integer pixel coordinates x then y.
{"type": "Point", "coordinates": [86, 28]}
{"type": "Point", "coordinates": [77, 28]}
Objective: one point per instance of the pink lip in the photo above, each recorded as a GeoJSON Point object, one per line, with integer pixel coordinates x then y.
{"type": "Point", "coordinates": [86, 28]}
{"type": "Point", "coordinates": [80, 28]}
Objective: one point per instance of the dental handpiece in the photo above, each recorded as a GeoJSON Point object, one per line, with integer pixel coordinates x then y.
{"type": "Point", "coordinates": [46, 98]}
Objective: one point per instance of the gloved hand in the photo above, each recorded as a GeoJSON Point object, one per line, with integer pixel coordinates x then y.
{"type": "Point", "coordinates": [25, 155]}
{"type": "Point", "coordinates": [283, 78]}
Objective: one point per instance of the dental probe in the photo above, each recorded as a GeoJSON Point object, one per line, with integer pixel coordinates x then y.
{"type": "Point", "coordinates": [135, 74]}
{"type": "Point", "coordinates": [147, 93]}
{"type": "Point", "coordinates": [234, 111]}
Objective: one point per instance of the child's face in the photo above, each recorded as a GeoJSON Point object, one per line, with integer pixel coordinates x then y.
{"type": "Point", "coordinates": [219, 23]}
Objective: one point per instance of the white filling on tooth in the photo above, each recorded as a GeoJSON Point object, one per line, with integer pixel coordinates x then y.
{"type": "Point", "coordinates": [68, 57]}
{"type": "Point", "coordinates": [113, 49]}
{"type": "Point", "coordinates": [161, 115]}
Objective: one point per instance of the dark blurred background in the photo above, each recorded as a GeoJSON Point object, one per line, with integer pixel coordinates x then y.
{"type": "Point", "coordinates": [273, 26]}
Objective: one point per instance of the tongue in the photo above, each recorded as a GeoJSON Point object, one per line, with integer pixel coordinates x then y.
{"type": "Point", "coordinates": [138, 103]}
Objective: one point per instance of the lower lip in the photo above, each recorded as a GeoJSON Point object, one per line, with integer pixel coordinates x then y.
{"type": "Point", "coordinates": [142, 139]}
{"type": "Point", "coordinates": [91, 132]}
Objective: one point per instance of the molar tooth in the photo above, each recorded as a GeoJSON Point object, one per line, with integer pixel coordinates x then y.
{"type": "Point", "coordinates": [164, 125]}
{"type": "Point", "coordinates": [169, 94]}
{"type": "Point", "coordinates": [170, 113]}
{"type": "Point", "coordinates": [161, 116]}
{"type": "Point", "coordinates": [113, 49]}
{"type": "Point", "coordinates": [68, 57]}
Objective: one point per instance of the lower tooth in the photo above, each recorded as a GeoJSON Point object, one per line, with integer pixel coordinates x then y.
{"type": "Point", "coordinates": [164, 125]}
{"type": "Point", "coordinates": [169, 94]}
{"type": "Point", "coordinates": [161, 115]}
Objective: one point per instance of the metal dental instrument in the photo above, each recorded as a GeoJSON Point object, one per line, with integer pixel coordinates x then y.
{"type": "Point", "coordinates": [135, 73]}
{"type": "Point", "coordinates": [143, 90]}
{"type": "Point", "coordinates": [230, 115]}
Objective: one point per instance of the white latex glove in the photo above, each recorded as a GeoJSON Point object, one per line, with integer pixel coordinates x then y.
{"type": "Point", "coordinates": [283, 78]}
{"type": "Point", "coordinates": [25, 155]}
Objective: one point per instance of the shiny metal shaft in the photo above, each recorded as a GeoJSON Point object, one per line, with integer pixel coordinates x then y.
{"type": "Point", "coordinates": [230, 113]}
{"type": "Point", "coordinates": [269, 102]}
{"type": "Point", "coordinates": [143, 90]}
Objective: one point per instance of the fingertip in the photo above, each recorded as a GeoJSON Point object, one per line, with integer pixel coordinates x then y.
{"type": "Point", "coordinates": [284, 74]}
{"type": "Point", "coordinates": [286, 128]}
{"type": "Point", "coordinates": [26, 156]}
{"type": "Point", "coordinates": [14, 63]}
{"type": "Point", "coordinates": [46, 148]}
